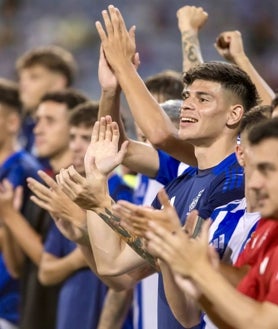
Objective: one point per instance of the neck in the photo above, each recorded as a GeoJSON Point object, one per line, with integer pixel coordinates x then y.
{"type": "Point", "coordinates": [7, 149]}
{"type": "Point", "coordinates": [61, 160]}
{"type": "Point", "coordinates": [212, 154]}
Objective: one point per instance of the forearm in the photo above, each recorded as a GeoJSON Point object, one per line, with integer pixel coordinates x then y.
{"type": "Point", "coordinates": [110, 243]}
{"type": "Point", "coordinates": [54, 270]}
{"type": "Point", "coordinates": [116, 306]}
{"type": "Point", "coordinates": [134, 90]}
{"type": "Point", "coordinates": [25, 236]}
{"type": "Point", "coordinates": [12, 254]}
{"type": "Point", "coordinates": [191, 51]}
{"type": "Point", "coordinates": [265, 92]}
{"type": "Point", "coordinates": [116, 283]}
{"type": "Point", "coordinates": [185, 309]}
{"type": "Point", "coordinates": [227, 312]}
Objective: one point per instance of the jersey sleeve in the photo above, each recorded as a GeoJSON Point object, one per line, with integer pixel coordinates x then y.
{"type": "Point", "coordinates": [168, 168]}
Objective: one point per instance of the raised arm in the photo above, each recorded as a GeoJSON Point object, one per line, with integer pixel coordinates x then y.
{"type": "Point", "coordinates": [230, 46]}
{"type": "Point", "coordinates": [190, 20]}
{"type": "Point", "coordinates": [139, 157]}
{"type": "Point", "coordinates": [119, 49]}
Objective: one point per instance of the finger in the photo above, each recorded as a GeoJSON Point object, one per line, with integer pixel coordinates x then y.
{"type": "Point", "coordinates": [48, 180]}
{"type": "Point", "coordinates": [122, 152]}
{"type": "Point", "coordinates": [204, 234]}
{"type": "Point", "coordinates": [191, 223]}
{"type": "Point", "coordinates": [42, 204]}
{"type": "Point", "coordinates": [7, 185]}
{"type": "Point", "coordinates": [108, 132]}
{"type": "Point", "coordinates": [117, 21]}
{"type": "Point", "coordinates": [157, 246]}
{"type": "Point", "coordinates": [39, 189]}
{"type": "Point", "coordinates": [75, 176]}
{"type": "Point", "coordinates": [101, 32]}
{"type": "Point", "coordinates": [107, 22]}
{"type": "Point", "coordinates": [95, 132]}
{"type": "Point", "coordinates": [163, 198]}
{"type": "Point", "coordinates": [102, 129]}
{"type": "Point", "coordinates": [115, 132]}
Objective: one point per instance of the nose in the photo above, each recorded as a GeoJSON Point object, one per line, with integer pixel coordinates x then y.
{"type": "Point", "coordinates": [255, 180]}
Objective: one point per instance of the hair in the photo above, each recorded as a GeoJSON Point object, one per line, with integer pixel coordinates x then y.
{"type": "Point", "coordinates": [53, 58]}
{"type": "Point", "coordinates": [263, 130]}
{"type": "Point", "coordinates": [254, 116]}
{"type": "Point", "coordinates": [230, 76]}
{"type": "Point", "coordinates": [9, 95]}
{"type": "Point", "coordinates": [172, 109]}
{"type": "Point", "coordinates": [85, 114]}
{"type": "Point", "coordinates": [167, 83]}
{"type": "Point", "coordinates": [70, 97]}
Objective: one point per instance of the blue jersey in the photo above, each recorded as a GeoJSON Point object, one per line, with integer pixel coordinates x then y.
{"type": "Point", "coordinates": [16, 168]}
{"type": "Point", "coordinates": [203, 190]}
{"type": "Point", "coordinates": [169, 168]}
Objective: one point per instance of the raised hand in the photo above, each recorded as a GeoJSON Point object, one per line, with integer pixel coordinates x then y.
{"type": "Point", "coordinates": [183, 254]}
{"type": "Point", "coordinates": [118, 43]}
{"type": "Point", "coordinates": [137, 218]}
{"type": "Point", "coordinates": [191, 17]}
{"type": "Point", "coordinates": [87, 193]}
{"type": "Point", "coordinates": [230, 46]}
{"type": "Point", "coordinates": [69, 218]}
{"type": "Point", "coordinates": [103, 148]}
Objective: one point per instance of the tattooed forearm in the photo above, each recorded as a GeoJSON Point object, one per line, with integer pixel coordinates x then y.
{"type": "Point", "coordinates": [191, 48]}
{"type": "Point", "coordinates": [133, 241]}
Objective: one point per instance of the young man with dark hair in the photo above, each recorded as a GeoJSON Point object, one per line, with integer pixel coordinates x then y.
{"type": "Point", "coordinates": [253, 294]}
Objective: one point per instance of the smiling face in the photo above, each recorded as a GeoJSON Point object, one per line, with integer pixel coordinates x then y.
{"type": "Point", "coordinates": [205, 112]}
{"type": "Point", "coordinates": [80, 137]}
{"type": "Point", "coordinates": [263, 179]}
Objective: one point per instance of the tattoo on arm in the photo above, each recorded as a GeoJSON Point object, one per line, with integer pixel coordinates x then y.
{"type": "Point", "coordinates": [190, 44]}
{"type": "Point", "coordinates": [133, 241]}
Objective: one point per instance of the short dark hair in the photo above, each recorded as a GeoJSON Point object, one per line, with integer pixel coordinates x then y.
{"type": "Point", "coordinates": [230, 76]}
{"type": "Point", "coordinates": [167, 83]}
{"type": "Point", "coordinates": [70, 97]}
{"type": "Point", "coordinates": [254, 116]}
{"type": "Point", "coordinates": [53, 58]}
{"type": "Point", "coordinates": [9, 94]}
{"type": "Point", "coordinates": [264, 130]}
{"type": "Point", "coordinates": [85, 114]}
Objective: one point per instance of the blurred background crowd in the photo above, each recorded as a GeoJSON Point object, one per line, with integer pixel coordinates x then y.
{"type": "Point", "coordinates": [70, 23]}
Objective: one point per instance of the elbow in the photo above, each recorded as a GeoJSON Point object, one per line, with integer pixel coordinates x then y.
{"type": "Point", "coordinates": [110, 270]}
{"type": "Point", "coordinates": [44, 278]}
{"type": "Point", "coordinates": [159, 138]}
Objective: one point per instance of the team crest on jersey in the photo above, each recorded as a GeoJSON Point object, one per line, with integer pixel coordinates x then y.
{"type": "Point", "coordinates": [195, 200]}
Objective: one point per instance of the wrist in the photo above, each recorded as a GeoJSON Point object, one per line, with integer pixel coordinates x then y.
{"type": "Point", "coordinates": [111, 92]}
{"type": "Point", "coordinates": [241, 60]}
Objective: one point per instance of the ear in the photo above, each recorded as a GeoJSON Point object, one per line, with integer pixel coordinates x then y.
{"type": "Point", "coordinates": [59, 83]}
{"type": "Point", "coordinates": [240, 155]}
{"type": "Point", "coordinates": [235, 114]}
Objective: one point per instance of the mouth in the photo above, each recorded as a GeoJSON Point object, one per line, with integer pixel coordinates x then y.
{"type": "Point", "coordinates": [188, 120]}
